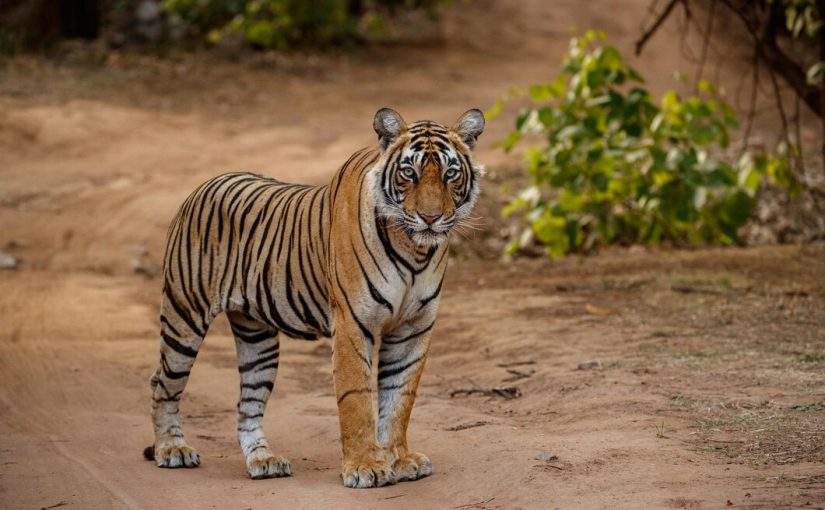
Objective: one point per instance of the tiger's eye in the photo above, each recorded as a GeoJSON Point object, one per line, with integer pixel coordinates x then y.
{"type": "Point", "coordinates": [408, 172]}
{"type": "Point", "coordinates": [450, 173]}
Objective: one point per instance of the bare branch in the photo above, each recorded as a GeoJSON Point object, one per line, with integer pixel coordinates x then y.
{"type": "Point", "coordinates": [775, 58]}
{"type": "Point", "coordinates": [752, 108]}
{"type": "Point", "coordinates": [820, 6]}
{"type": "Point", "coordinates": [780, 106]}
{"type": "Point", "coordinates": [798, 133]}
{"type": "Point", "coordinates": [640, 44]}
{"type": "Point", "coordinates": [706, 42]}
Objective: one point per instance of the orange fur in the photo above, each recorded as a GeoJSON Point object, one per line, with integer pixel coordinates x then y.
{"type": "Point", "coordinates": [361, 260]}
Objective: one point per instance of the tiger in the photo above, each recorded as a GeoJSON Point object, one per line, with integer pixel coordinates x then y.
{"type": "Point", "coordinates": [360, 260]}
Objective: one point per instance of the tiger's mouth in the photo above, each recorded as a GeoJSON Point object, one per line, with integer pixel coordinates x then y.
{"type": "Point", "coordinates": [428, 236]}
{"type": "Point", "coordinates": [419, 232]}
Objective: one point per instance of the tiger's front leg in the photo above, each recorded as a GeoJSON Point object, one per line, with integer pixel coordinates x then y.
{"type": "Point", "coordinates": [401, 362]}
{"type": "Point", "coordinates": [365, 463]}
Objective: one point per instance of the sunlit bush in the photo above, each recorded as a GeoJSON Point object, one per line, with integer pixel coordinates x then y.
{"type": "Point", "coordinates": [618, 167]}
{"type": "Point", "coordinates": [284, 23]}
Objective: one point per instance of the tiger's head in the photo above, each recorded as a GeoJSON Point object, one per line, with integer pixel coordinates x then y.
{"type": "Point", "coordinates": [427, 179]}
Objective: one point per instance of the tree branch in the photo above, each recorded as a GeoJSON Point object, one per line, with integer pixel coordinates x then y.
{"type": "Point", "coordinates": [752, 108]}
{"type": "Point", "coordinates": [792, 72]}
{"type": "Point", "coordinates": [820, 6]}
{"type": "Point", "coordinates": [706, 42]}
{"type": "Point", "coordinates": [775, 58]}
{"type": "Point", "coordinates": [640, 44]}
{"type": "Point", "coordinates": [765, 40]}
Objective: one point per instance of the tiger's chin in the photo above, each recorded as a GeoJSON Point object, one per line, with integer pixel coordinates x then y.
{"type": "Point", "coordinates": [429, 237]}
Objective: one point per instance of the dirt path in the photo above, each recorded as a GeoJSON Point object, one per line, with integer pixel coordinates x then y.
{"type": "Point", "coordinates": [708, 386]}
{"type": "Point", "coordinates": [76, 358]}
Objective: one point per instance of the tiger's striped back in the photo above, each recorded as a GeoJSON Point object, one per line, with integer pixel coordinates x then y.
{"type": "Point", "coordinates": [247, 243]}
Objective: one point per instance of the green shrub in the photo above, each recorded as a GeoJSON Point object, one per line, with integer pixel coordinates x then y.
{"type": "Point", "coordinates": [284, 23]}
{"type": "Point", "coordinates": [619, 168]}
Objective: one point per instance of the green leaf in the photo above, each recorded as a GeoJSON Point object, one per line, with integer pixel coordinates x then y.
{"type": "Point", "coordinates": [511, 140]}
{"type": "Point", "coordinates": [495, 110]}
{"type": "Point", "coordinates": [542, 92]}
{"type": "Point", "coordinates": [522, 118]}
{"type": "Point", "coordinates": [816, 73]}
{"type": "Point", "coordinates": [551, 231]}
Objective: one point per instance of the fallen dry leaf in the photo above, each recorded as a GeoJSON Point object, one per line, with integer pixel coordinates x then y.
{"type": "Point", "coordinates": [599, 310]}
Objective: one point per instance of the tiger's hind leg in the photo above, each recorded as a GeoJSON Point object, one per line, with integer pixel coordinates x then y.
{"type": "Point", "coordinates": [182, 333]}
{"type": "Point", "coordinates": [257, 346]}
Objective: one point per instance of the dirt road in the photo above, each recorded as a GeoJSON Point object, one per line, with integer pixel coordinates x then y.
{"type": "Point", "coordinates": [691, 405]}
{"type": "Point", "coordinates": [646, 379]}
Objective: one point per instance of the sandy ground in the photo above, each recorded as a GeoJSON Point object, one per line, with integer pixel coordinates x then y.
{"type": "Point", "coordinates": [706, 385]}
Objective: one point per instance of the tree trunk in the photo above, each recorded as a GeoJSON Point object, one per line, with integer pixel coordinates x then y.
{"type": "Point", "coordinates": [79, 19]}
{"type": "Point", "coordinates": [32, 24]}
{"type": "Point", "coordinates": [820, 7]}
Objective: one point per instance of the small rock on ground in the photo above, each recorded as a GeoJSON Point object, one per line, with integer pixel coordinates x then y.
{"type": "Point", "coordinates": [589, 365]}
{"type": "Point", "coordinates": [7, 261]}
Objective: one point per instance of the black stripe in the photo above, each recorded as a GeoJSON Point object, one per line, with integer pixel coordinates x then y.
{"type": "Point", "coordinates": [255, 338]}
{"type": "Point", "coordinates": [389, 250]}
{"type": "Point", "coordinates": [353, 392]}
{"type": "Point", "coordinates": [383, 374]}
{"type": "Point", "coordinates": [366, 332]}
{"type": "Point", "coordinates": [256, 386]}
{"type": "Point", "coordinates": [177, 346]}
{"type": "Point", "coordinates": [274, 317]}
{"type": "Point", "coordinates": [409, 337]}
{"type": "Point", "coordinates": [164, 320]}
{"type": "Point", "coordinates": [426, 300]}
{"type": "Point", "coordinates": [168, 372]}
{"type": "Point", "coordinates": [268, 350]}
{"type": "Point", "coordinates": [246, 367]}
{"type": "Point", "coordinates": [185, 317]}
{"type": "Point", "coordinates": [169, 397]}
{"type": "Point", "coordinates": [175, 398]}
{"type": "Point", "coordinates": [363, 237]}
{"type": "Point", "coordinates": [274, 365]}
{"type": "Point", "coordinates": [373, 291]}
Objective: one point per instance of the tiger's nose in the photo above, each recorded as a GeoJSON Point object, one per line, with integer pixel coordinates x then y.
{"type": "Point", "coordinates": [429, 219]}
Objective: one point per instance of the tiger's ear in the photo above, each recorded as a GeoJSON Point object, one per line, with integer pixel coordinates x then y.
{"type": "Point", "coordinates": [388, 124]}
{"type": "Point", "coordinates": [470, 126]}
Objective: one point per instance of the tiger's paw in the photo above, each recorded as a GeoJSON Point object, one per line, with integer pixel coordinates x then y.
{"type": "Point", "coordinates": [364, 473]}
{"type": "Point", "coordinates": [412, 466]}
{"type": "Point", "coordinates": [262, 464]}
{"type": "Point", "coordinates": [175, 454]}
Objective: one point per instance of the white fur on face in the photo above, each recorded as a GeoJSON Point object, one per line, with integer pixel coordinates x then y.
{"type": "Point", "coordinates": [415, 227]}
